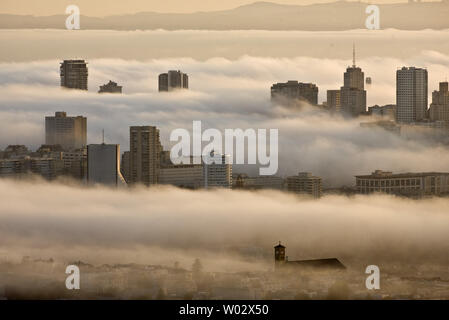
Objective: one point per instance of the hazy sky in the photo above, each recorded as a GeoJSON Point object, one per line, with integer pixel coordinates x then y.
{"type": "Point", "coordinates": [108, 7]}
{"type": "Point", "coordinates": [164, 225]}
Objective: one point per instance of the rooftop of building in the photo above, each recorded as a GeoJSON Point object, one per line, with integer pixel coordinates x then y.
{"type": "Point", "coordinates": [380, 174]}
{"type": "Point", "coordinates": [332, 263]}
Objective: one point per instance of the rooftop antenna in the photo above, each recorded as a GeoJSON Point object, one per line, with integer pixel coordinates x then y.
{"type": "Point", "coordinates": [353, 55]}
{"type": "Point", "coordinates": [103, 135]}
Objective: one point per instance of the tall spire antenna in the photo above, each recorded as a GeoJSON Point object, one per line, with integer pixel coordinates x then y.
{"type": "Point", "coordinates": [103, 135]}
{"type": "Point", "coordinates": [353, 55]}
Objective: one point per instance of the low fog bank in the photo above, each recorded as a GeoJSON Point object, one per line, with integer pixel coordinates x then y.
{"type": "Point", "coordinates": [227, 230]}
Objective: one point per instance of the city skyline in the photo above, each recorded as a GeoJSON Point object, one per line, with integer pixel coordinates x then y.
{"type": "Point", "coordinates": [264, 152]}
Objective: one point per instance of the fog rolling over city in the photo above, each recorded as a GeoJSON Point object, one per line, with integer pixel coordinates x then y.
{"type": "Point", "coordinates": [229, 94]}
{"type": "Point", "coordinates": [146, 226]}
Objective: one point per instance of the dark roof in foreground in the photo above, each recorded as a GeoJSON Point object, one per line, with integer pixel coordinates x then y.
{"type": "Point", "coordinates": [331, 263]}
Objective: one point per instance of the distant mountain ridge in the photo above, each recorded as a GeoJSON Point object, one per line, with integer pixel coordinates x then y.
{"type": "Point", "coordinates": [334, 16]}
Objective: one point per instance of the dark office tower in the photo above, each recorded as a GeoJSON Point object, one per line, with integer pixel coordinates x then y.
{"type": "Point", "coordinates": [353, 94]}
{"type": "Point", "coordinates": [69, 132]}
{"type": "Point", "coordinates": [173, 80]}
{"type": "Point", "coordinates": [293, 90]}
{"type": "Point", "coordinates": [74, 74]}
{"type": "Point", "coordinates": [145, 155]}
{"type": "Point", "coordinates": [103, 164]}
{"type": "Point", "coordinates": [411, 94]}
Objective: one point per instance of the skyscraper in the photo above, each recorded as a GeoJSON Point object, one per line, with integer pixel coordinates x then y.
{"type": "Point", "coordinates": [145, 154]}
{"type": "Point", "coordinates": [439, 109]}
{"type": "Point", "coordinates": [103, 164]}
{"type": "Point", "coordinates": [69, 132]}
{"type": "Point", "coordinates": [411, 94]}
{"type": "Point", "coordinates": [353, 94]}
{"type": "Point", "coordinates": [74, 74]}
{"type": "Point", "coordinates": [173, 80]}
{"type": "Point", "coordinates": [294, 90]}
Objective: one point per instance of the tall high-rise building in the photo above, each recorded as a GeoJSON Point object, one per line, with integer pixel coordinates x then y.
{"type": "Point", "coordinates": [218, 173]}
{"type": "Point", "coordinates": [145, 154]}
{"type": "Point", "coordinates": [74, 74]}
{"type": "Point", "coordinates": [173, 80]}
{"type": "Point", "coordinates": [294, 90]}
{"type": "Point", "coordinates": [439, 109]}
{"type": "Point", "coordinates": [304, 183]}
{"type": "Point", "coordinates": [68, 132]}
{"type": "Point", "coordinates": [411, 94]}
{"type": "Point", "coordinates": [353, 94]}
{"type": "Point", "coordinates": [334, 100]}
{"type": "Point", "coordinates": [103, 164]}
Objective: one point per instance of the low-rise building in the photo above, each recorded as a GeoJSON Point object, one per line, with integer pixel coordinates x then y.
{"type": "Point", "coordinates": [110, 87]}
{"type": "Point", "coordinates": [294, 90]}
{"type": "Point", "coordinates": [404, 184]}
{"type": "Point", "coordinates": [304, 183]}
{"type": "Point", "coordinates": [182, 175]}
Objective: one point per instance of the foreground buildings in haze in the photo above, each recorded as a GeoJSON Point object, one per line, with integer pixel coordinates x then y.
{"type": "Point", "coordinates": [173, 80]}
{"type": "Point", "coordinates": [74, 74]}
{"type": "Point", "coordinates": [281, 262]}
{"type": "Point", "coordinates": [404, 184]}
{"type": "Point", "coordinates": [411, 94]}
{"type": "Point", "coordinates": [68, 132]}
{"type": "Point", "coordinates": [293, 90]}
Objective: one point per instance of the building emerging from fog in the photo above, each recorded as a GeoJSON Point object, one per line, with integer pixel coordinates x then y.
{"type": "Point", "coordinates": [334, 100]}
{"type": "Point", "coordinates": [145, 155]}
{"type": "Point", "coordinates": [243, 181]}
{"type": "Point", "coordinates": [217, 174]}
{"type": "Point", "coordinates": [304, 183]}
{"type": "Point", "coordinates": [48, 168]}
{"type": "Point", "coordinates": [68, 132]}
{"type": "Point", "coordinates": [173, 80]}
{"type": "Point", "coordinates": [353, 93]}
{"type": "Point", "coordinates": [411, 94]}
{"type": "Point", "coordinates": [294, 90]}
{"type": "Point", "coordinates": [103, 164]}
{"type": "Point", "coordinates": [188, 176]}
{"type": "Point", "coordinates": [110, 87]}
{"type": "Point", "coordinates": [74, 74]}
{"type": "Point", "coordinates": [386, 111]}
{"type": "Point", "coordinates": [404, 184]}
{"type": "Point", "coordinates": [439, 109]}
